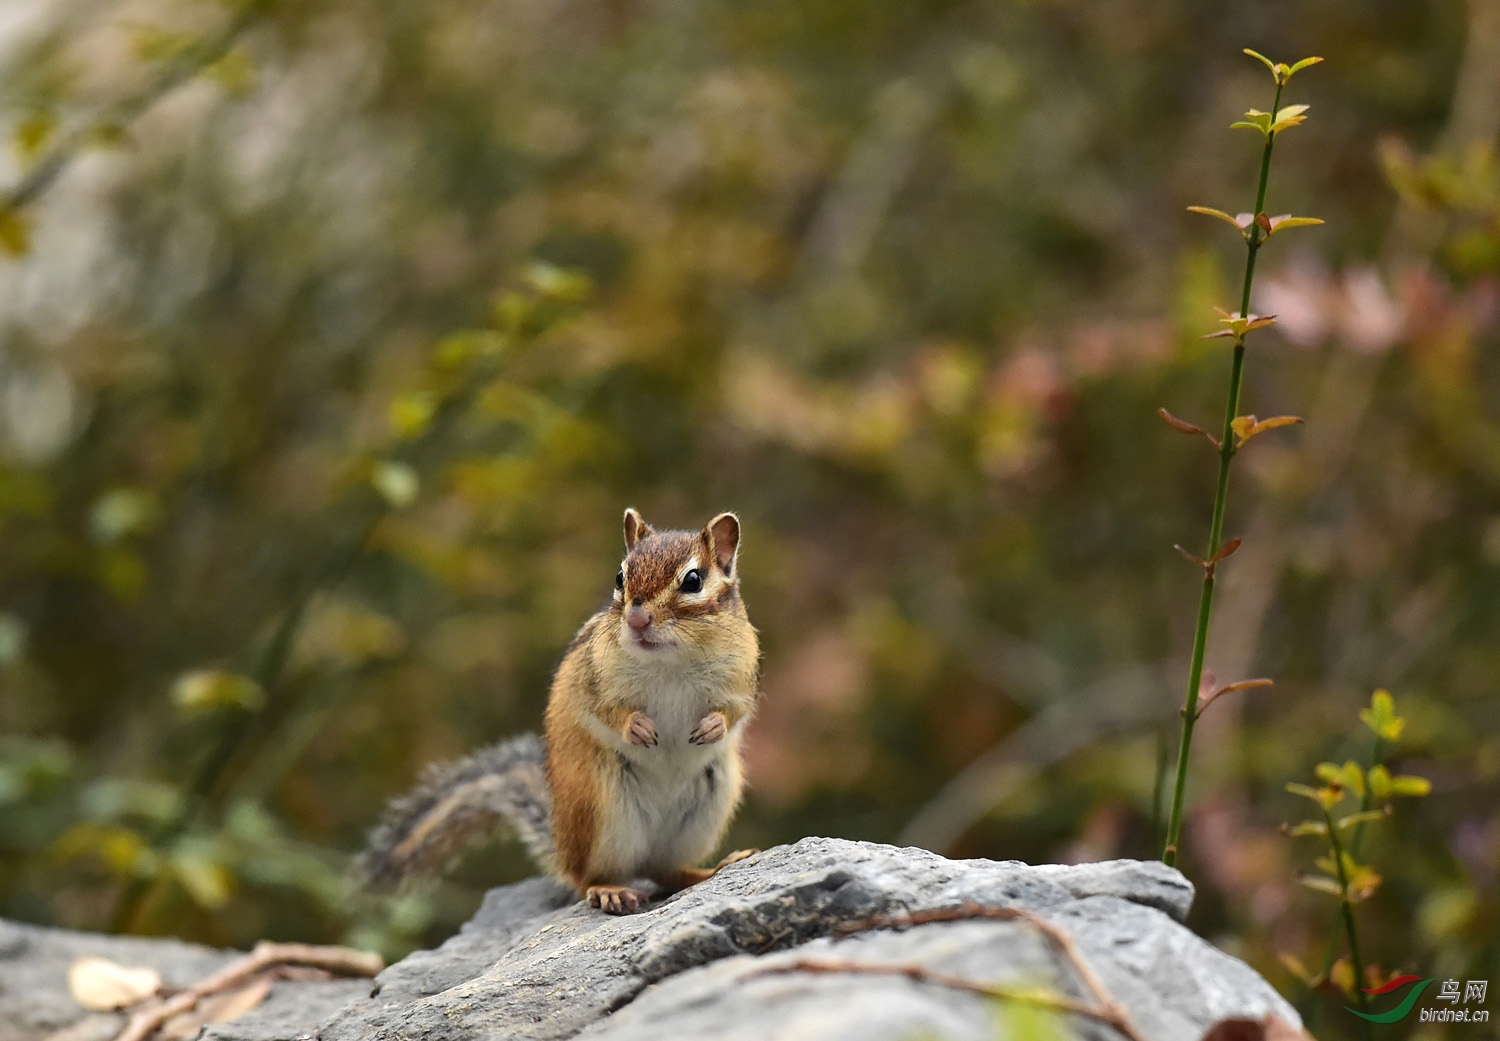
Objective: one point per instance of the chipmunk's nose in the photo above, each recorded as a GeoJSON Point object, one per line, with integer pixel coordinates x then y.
{"type": "Point", "coordinates": [638, 618]}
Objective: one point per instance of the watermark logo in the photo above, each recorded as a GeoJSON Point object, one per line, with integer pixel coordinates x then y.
{"type": "Point", "coordinates": [1473, 992]}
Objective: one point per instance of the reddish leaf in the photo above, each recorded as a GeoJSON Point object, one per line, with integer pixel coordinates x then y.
{"type": "Point", "coordinates": [1226, 550]}
{"type": "Point", "coordinates": [1184, 426]}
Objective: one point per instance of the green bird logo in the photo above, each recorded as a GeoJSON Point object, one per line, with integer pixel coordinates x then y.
{"type": "Point", "coordinates": [1401, 1010]}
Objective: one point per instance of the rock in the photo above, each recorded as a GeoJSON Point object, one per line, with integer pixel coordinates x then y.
{"type": "Point", "coordinates": [535, 963]}
{"type": "Point", "coordinates": [34, 961]}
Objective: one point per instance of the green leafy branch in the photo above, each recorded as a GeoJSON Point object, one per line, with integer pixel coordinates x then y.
{"type": "Point", "coordinates": [1255, 228]}
{"type": "Point", "coordinates": [190, 843]}
{"type": "Point", "coordinates": [48, 151]}
{"type": "Point", "coordinates": [1340, 873]}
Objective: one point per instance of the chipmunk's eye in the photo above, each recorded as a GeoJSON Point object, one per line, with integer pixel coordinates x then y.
{"type": "Point", "coordinates": [620, 579]}
{"type": "Point", "coordinates": [692, 582]}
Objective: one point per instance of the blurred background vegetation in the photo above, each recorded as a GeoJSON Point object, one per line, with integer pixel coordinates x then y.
{"type": "Point", "coordinates": [335, 335]}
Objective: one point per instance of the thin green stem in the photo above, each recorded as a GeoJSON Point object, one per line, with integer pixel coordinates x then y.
{"type": "Point", "coordinates": [1366, 799]}
{"type": "Point", "coordinates": [1332, 954]}
{"type": "Point", "coordinates": [1346, 908]}
{"type": "Point", "coordinates": [1216, 527]}
{"type": "Point", "coordinates": [1159, 785]}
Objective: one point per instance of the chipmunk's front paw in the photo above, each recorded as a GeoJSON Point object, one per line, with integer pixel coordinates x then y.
{"type": "Point", "coordinates": [615, 899]}
{"type": "Point", "coordinates": [639, 730]}
{"type": "Point", "coordinates": [710, 728]}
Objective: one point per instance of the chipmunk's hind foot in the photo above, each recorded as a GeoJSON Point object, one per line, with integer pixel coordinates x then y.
{"type": "Point", "coordinates": [682, 878]}
{"type": "Point", "coordinates": [615, 899]}
{"type": "Point", "coordinates": [734, 858]}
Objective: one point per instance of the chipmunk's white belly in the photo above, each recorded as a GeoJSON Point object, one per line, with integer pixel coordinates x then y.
{"type": "Point", "coordinates": [663, 818]}
{"type": "Point", "coordinates": [669, 804]}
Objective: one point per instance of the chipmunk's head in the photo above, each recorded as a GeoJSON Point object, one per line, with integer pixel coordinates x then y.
{"type": "Point", "coordinates": [679, 590]}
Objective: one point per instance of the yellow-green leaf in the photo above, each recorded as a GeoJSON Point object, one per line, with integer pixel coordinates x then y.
{"type": "Point", "coordinates": [1379, 779]}
{"type": "Point", "coordinates": [1286, 221]}
{"type": "Point", "coordinates": [1362, 817]}
{"type": "Point", "coordinates": [1237, 325]}
{"type": "Point", "coordinates": [566, 285]}
{"type": "Point", "coordinates": [1411, 787]}
{"type": "Point", "coordinates": [235, 72]}
{"type": "Point", "coordinates": [15, 233]}
{"type": "Point", "coordinates": [1381, 716]}
{"type": "Point", "coordinates": [1209, 211]}
{"type": "Point", "coordinates": [1323, 884]}
{"type": "Point", "coordinates": [209, 884]}
{"type": "Point", "coordinates": [1246, 427]}
{"type": "Point", "coordinates": [1262, 59]}
{"type": "Point", "coordinates": [33, 133]}
{"type": "Point", "coordinates": [1352, 778]}
{"type": "Point", "coordinates": [411, 414]}
{"type": "Point", "coordinates": [121, 851]}
{"type": "Point", "coordinates": [122, 512]}
{"type": "Point", "coordinates": [458, 349]}
{"type": "Point", "coordinates": [1363, 882]}
{"type": "Point", "coordinates": [1254, 119]}
{"type": "Point", "coordinates": [213, 688]}
{"type": "Point", "coordinates": [397, 483]}
{"type": "Point", "coordinates": [1288, 117]}
{"type": "Point", "coordinates": [1297, 831]}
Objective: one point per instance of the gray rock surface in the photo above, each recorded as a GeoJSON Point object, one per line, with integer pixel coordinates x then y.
{"type": "Point", "coordinates": [534, 963]}
{"type": "Point", "coordinates": [34, 963]}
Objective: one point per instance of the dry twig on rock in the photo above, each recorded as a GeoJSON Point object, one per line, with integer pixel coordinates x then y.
{"type": "Point", "coordinates": [1104, 1009]}
{"type": "Point", "coordinates": [266, 958]}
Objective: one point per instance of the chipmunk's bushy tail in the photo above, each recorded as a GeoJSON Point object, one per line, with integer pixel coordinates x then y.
{"type": "Point", "coordinates": [458, 803]}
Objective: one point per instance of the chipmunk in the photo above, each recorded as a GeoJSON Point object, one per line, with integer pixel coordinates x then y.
{"type": "Point", "coordinates": [640, 772]}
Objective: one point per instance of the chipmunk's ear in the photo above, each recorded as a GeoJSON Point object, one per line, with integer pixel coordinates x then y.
{"type": "Point", "coordinates": [636, 528]}
{"type": "Point", "coordinates": [723, 538]}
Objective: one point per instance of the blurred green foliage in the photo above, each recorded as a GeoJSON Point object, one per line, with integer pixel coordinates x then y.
{"type": "Point", "coordinates": [339, 333]}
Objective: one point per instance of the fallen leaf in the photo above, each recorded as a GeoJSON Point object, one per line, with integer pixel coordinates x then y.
{"type": "Point", "coordinates": [235, 1003]}
{"type": "Point", "coordinates": [220, 1008]}
{"type": "Point", "coordinates": [101, 985]}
